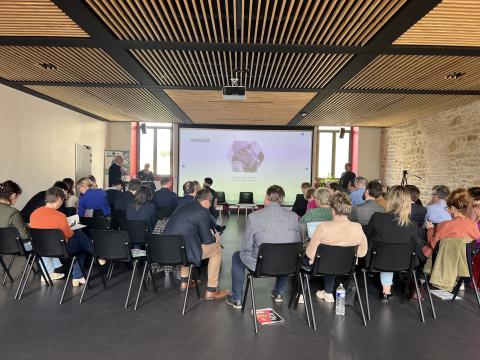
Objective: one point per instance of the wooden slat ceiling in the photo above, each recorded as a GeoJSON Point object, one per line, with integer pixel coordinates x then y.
{"type": "Point", "coordinates": [260, 108]}
{"type": "Point", "coordinates": [76, 65]}
{"type": "Point", "coordinates": [341, 22]}
{"type": "Point", "coordinates": [380, 110]}
{"type": "Point", "coordinates": [452, 22]}
{"type": "Point", "coordinates": [111, 103]}
{"type": "Point", "coordinates": [35, 18]}
{"type": "Point", "coordinates": [418, 72]}
{"type": "Point", "coordinates": [265, 70]}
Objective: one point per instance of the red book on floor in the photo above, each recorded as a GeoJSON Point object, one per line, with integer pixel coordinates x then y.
{"type": "Point", "coordinates": [269, 317]}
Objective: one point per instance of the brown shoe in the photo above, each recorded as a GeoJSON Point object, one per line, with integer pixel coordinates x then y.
{"type": "Point", "coordinates": [183, 286]}
{"type": "Point", "coordinates": [217, 295]}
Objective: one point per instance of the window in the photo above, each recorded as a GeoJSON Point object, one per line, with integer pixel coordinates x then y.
{"type": "Point", "coordinates": [156, 148]}
{"type": "Point", "coordinates": [333, 152]}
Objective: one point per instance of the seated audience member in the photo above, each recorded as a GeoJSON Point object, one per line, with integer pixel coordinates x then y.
{"type": "Point", "coordinates": [460, 226]}
{"type": "Point", "coordinates": [207, 184]}
{"type": "Point", "coordinates": [393, 226]}
{"type": "Point", "coordinates": [141, 209]}
{"type": "Point", "coordinates": [91, 198]}
{"type": "Point", "coordinates": [72, 200]}
{"type": "Point", "coordinates": [363, 212]}
{"type": "Point", "coordinates": [338, 232]}
{"type": "Point", "coordinates": [347, 177]}
{"type": "Point", "coordinates": [121, 202]}
{"type": "Point", "coordinates": [418, 211]}
{"type": "Point", "coordinates": [38, 200]}
{"type": "Point", "coordinates": [474, 209]}
{"type": "Point", "coordinates": [300, 204]}
{"type": "Point", "coordinates": [192, 221]}
{"type": "Point", "coordinates": [48, 217]}
{"type": "Point", "coordinates": [310, 197]}
{"type": "Point", "coordinates": [437, 208]}
{"type": "Point", "coordinates": [94, 181]}
{"type": "Point", "coordinates": [146, 174]}
{"type": "Point", "coordinates": [381, 199]}
{"type": "Point", "coordinates": [114, 192]}
{"type": "Point", "coordinates": [357, 194]}
{"type": "Point", "coordinates": [334, 186]}
{"type": "Point", "coordinates": [165, 197]}
{"type": "Point", "coordinates": [322, 212]}
{"type": "Point", "coordinates": [11, 217]}
{"type": "Point", "coordinates": [189, 191]}
{"type": "Point", "coordinates": [272, 224]}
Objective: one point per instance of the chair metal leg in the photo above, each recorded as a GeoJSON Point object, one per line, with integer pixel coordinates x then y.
{"type": "Point", "coordinates": [245, 293]}
{"type": "Point", "coordinates": [131, 282]}
{"type": "Point", "coordinates": [305, 301]}
{"type": "Point", "coordinates": [7, 271]}
{"type": "Point", "coordinates": [195, 278]}
{"type": "Point", "coordinates": [359, 298]}
{"type": "Point", "coordinates": [419, 300]}
{"type": "Point", "coordinates": [294, 294]}
{"type": "Point", "coordinates": [309, 294]}
{"type": "Point", "coordinates": [24, 270]}
{"type": "Point", "coordinates": [238, 213]}
{"type": "Point", "coordinates": [429, 296]}
{"type": "Point", "coordinates": [68, 279]}
{"type": "Point", "coordinates": [44, 273]}
{"type": "Point", "coordinates": [140, 285]}
{"type": "Point", "coordinates": [27, 276]}
{"type": "Point", "coordinates": [86, 281]}
{"type": "Point", "coordinates": [110, 270]}
{"type": "Point", "coordinates": [366, 293]}
{"type": "Point", "coordinates": [253, 305]}
{"type": "Point", "coordinates": [186, 290]}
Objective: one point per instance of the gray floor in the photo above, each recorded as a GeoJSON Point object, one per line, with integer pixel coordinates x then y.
{"type": "Point", "coordinates": [38, 328]}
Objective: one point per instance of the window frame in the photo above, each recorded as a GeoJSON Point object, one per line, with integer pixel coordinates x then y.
{"type": "Point", "coordinates": [333, 132]}
{"type": "Point", "coordinates": [155, 128]}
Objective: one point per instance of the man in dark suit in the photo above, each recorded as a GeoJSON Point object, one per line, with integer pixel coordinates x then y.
{"type": "Point", "coordinates": [38, 201]}
{"type": "Point", "coordinates": [192, 221]}
{"type": "Point", "coordinates": [114, 192]}
{"type": "Point", "coordinates": [347, 177]}
{"type": "Point", "coordinates": [189, 192]}
{"type": "Point", "coordinates": [165, 197]}
{"type": "Point", "coordinates": [418, 212]}
{"type": "Point", "coordinates": [115, 170]}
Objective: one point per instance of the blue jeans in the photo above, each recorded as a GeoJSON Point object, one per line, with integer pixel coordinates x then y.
{"type": "Point", "coordinates": [80, 245]}
{"type": "Point", "coordinates": [50, 263]}
{"type": "Point", "coordinates": [238, 275]}
{"type": "Point", "coordinates": [386, 278]}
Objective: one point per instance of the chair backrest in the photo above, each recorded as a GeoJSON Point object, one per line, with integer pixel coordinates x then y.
{"type": "Point", "coordinates": [278, 259]}
{"type": "Point", "coordinates": [245, 198]}
{"type": "Point", "coordinates": [111, 245]}
{"type": "Point", "coordinates": [163, 212]}
{"type": "Point", "coordinates": [393, 257]}
{"type": "Point", "coordinates": [136, 230]}
{"type": "Point", "coordinates": [221, 197]}
{"type": "Point", "coordinates": [10, 242]}
{"type": "Point", "coordinates": [166, 249]}
{"type": "Point", "coordinates": [49, 243]}
{"type": "Point", "coordinates": [334, 260]}
{"type": "Point", "coordinates": [95, 223]}
{"type": "Point", "coordinates": [311, 227]}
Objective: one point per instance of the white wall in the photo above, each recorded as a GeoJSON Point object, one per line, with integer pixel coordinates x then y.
{"type": "Point", "coordinates": [38, 140]}
{"type": "Point", "coordinates": [118, 136]}
{"type": "Point", "coordinates": [369, 152]}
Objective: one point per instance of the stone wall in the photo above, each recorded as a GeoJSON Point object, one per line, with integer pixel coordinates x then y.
{"type": "Point", "coordinates": [442, 149]}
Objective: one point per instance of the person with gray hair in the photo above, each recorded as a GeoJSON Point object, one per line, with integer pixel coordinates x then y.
{"type": "Point", "coordinates": [272, 224]}
{"type": "Point", "coordinates": [437, 209]}
{"type": "Point", "coordinates": [357, 194]}
{"type": "Point", "coordinates": [322, 212]}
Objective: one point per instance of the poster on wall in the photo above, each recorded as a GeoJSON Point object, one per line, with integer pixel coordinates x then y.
{"type": "Point", "coordinates": [110, 156]}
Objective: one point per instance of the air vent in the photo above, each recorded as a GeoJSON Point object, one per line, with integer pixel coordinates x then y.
{"type": "Point", "coordinates": [454, 75]}
{"type": "Point", "coordinates": [48, 66]}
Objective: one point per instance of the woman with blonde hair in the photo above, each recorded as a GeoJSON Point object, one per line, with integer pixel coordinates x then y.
{"type": "Point", "coordinates": [394, 227]}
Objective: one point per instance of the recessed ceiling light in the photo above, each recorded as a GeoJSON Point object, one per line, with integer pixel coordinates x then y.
{"type": "Point", "coordinates": [48, 66]}
{"type": "Point", "coordinates": [303, 113]}
{"type": "Point", "coordinates": [454, 75]}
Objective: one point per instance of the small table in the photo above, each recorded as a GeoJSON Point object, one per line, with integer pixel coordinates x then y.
{"type": "Point", "coordinates": [251, 206]}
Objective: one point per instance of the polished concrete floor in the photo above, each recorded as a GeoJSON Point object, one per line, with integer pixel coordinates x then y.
{"type": "Point", "coordinates": [37, 327]}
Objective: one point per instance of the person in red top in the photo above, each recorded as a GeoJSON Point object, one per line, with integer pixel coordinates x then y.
{"type": "Point", "coordinates": [48, 217]}
{"type": "Point", "coordinates": [458, 203]}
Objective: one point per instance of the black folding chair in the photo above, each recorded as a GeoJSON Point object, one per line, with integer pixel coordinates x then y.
{"type": "Point", "coordinates": [11, 244]}
{"type": "Point", "coordinates": [48, 243]}
{"type": "Point", "coordinates": [167, 250]}
{"type": "Point", "coordinates": [163, 212]}
{"type": "Point", "coordinates": [111, 245]}
{"type": "Point", "coordinates": [333, 261]}
{"type": "Point", "coordinates": [470, 253]}
{"type": "Point", "coordinates": [117, 217]}
{"type": "Point", "coordinates": [245, 197]}
{"type": "Point", "coordinates": [273, 260]}
{"type": "Point", "coordinates": [95, 223]}
{"type": "Point", "coordinates": [397, 258]}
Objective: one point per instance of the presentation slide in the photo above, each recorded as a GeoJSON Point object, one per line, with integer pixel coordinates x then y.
{"type": "Point", "coordinates": [246, 160]}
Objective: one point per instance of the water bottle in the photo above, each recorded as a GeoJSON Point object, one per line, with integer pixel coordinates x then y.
{"type": "Point", "coordinates": [340, 301]}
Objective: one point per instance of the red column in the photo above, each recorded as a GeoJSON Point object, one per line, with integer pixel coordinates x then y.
{"type": "Point", "coordinates": [354, 147]}
{"type": "Point", "coordinates": [133, 149]}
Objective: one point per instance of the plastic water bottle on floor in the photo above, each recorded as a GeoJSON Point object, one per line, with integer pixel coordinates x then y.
{"type": "Point", "coordinates": [340, 301]}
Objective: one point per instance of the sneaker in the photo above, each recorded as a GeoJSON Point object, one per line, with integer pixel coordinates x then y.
{"type": "Point", "coordinates": [462, 287]}
{"type": "Point", "coordinates": [102, 262]}
{"type": "Point", "coordinates": [278, 298]}
{"type": "Point", "coordinates": [236, 304]}
{"type": "Point", "coordinates": [301, 300]}
{"type": "Point", "coordinates": [54, 276]}
{"type": "Point", "coordinates": [78, 282]}
{"type": "Point", "coordinates": [385, 298]}
{"type": "Point", "coordinates": [325, 296]}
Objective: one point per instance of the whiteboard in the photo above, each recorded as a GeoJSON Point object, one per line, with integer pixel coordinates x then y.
{"type": "Point", "coordinates": [83, 161]}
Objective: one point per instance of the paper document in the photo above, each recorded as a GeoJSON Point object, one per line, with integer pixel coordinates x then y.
{"type": "Point", "coordinates": [74, 222]}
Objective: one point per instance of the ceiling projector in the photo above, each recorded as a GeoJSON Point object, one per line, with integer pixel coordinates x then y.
{"type": "Point", "coordinates": [234, 93]}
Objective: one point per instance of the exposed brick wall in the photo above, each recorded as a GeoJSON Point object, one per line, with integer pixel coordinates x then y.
{"type": "Point", "coordinates": [443, 149]}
